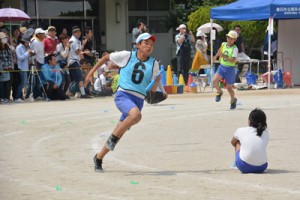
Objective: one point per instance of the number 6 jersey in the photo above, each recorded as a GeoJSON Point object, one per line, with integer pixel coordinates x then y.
{"type": "Point", "coordinates": [135, 75]}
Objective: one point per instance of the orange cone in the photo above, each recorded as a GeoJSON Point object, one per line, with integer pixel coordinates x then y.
{"type": "Point", "coordinates": [190, 80]}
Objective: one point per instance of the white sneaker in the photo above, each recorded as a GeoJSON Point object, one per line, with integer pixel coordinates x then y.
{"type": "Point", "coordinates": [31, 99]}
{"type": "Point", "coordinates": [77, 95]}
{"type": "Point", "coordinates": [4, 100]}
{"type": "Point", "coordinates": [39, 98]}
{"type": "Point", "coordinates": [19, 100]}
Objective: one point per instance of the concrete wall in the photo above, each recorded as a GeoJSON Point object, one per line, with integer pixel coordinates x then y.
{"type": "Point", "coordinates": [115, 32]}
{"type": "Point", "coordinates": [289, 44]}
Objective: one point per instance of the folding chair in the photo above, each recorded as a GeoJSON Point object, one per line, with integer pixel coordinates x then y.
{"type": "Point", "coordinates": [203, 78]}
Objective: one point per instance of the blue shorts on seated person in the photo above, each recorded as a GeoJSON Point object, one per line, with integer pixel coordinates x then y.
{"type": "Point", "coordinates": [247, 168]}
{"type": "Point", "coordinates": [125, 102]}
{"type": "Point", "coordinates": [228, 73]}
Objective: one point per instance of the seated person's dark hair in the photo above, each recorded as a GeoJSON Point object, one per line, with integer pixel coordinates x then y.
{"type": "Point", "coordinates": [49, 57]}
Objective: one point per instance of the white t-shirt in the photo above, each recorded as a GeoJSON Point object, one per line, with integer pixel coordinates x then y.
{"type": "Point", "coordinates": [101, 81]}
{"type": "Point", "coordinates": [74, 46]}
{"type": "Point", "coordinates": [253, 148]}
{"type": "Point", "coordinates": [38, 46]}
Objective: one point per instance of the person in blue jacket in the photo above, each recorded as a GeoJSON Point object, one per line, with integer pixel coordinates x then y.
{"type": "Point", "coordinates": [51, 79]}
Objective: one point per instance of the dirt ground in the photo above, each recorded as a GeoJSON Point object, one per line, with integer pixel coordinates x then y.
{"type": "Point", "coordinates": [180, 150]}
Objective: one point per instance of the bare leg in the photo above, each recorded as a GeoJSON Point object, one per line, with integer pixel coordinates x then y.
{"type": "Point", "coordinates": [231, 92]}
{"type": "Point", "coordinates": [216, 80]}
{"type": "Point", "coordinates": [134, 116]}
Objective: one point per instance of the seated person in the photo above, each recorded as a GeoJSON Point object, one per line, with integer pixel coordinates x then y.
{"type": "Point", "coordinates": [51, 79]}
{"type": "Point", "coordinates": [102, 87]}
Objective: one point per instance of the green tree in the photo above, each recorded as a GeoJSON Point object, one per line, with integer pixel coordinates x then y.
{"type": "Point", "coordinates": [252, 31]}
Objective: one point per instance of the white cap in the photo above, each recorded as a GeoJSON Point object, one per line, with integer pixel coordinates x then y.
{"type": "Point", "coordinates": [180, 27]}
{"type": "Point", "coordinates": [232, 34]}
{"type": "Point", "coordinates": [200, 33]}
{"type": "Point", "coordinates": [145, 36]}
{"type": "Point", "coordinates": [39, 30]}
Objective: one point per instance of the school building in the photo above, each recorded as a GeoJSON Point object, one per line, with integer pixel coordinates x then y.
{"type": "Point", "coordinates": [111, 20]}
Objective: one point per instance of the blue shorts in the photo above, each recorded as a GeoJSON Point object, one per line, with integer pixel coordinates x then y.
{"type": "Point", "coordinates": [228, 73]}
{"type": "Point", "coordinates": [247, 168]}
{"type": "Point", "coordinates": [125, 102]}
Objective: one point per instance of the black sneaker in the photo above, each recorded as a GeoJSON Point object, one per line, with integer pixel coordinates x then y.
{"type": "Point", "coordinates": [233, 104]}
{"type": "Point", "coordinates": [218, 96]}
{"type": "Point", "coordinates": [86, 96]}
{"type": "Point", "coordinates": [98, 164]}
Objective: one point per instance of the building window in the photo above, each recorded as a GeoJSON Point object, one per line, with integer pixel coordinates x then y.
{"type": "Point", "coordinates": [151, 12]}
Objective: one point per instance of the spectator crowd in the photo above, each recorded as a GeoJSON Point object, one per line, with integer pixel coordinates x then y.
{"type": "Point", "coordinates": [37, 64]}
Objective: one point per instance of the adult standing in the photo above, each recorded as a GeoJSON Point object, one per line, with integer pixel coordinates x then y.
{"type": "Point", "coordinates": [62, 55]}
{"type": "Point", "coordinates": [239, 41]}
{"type": "Point", "coordinates": [5, 65]}
{"type": "Point", "coordinates": [51, 41]}
{"type": "Point", "coordinates": [37, 46]}
{"type": "Point", "coordinates": [23, 54]}
{"type": "Point", "coordinates": [139, 29]}
{"type": "Point", "coordinates": [74, 66]}
{"type": "Point", "coordinates": [201, 57]}
{"type": "Point", "coordinates": [184, 40]}
{"type": "Point", "coordinates": [87, 44]}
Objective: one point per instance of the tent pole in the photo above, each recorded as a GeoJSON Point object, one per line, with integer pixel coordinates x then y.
{"type": "Point", "coordinates": [269, 50]}
{"type": "Point", "coordinates": [211, 54]}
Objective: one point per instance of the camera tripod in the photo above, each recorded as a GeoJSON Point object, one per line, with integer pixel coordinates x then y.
{"type": "Point", "coordinates": [32, 80]}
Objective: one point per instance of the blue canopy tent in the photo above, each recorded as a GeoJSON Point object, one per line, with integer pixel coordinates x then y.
{"type": "Point", "coordinates": [245, 10]}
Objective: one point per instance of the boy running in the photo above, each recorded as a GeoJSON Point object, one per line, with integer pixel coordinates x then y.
{"type": "Point", "coordinates": [137, 69]}
{"type": "Point", "coordinates": [228, 53]}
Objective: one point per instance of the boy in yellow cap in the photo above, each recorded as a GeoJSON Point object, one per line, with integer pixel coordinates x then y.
{"type": "Point", "coordinates": [228, 53]}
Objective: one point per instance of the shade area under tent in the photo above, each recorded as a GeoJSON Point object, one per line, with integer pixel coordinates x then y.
{"type": "Point", "coordinates": [287, 12]}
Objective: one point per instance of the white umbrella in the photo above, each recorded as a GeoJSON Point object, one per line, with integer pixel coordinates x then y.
{"type": "Point", "coordinates": [206, 27]}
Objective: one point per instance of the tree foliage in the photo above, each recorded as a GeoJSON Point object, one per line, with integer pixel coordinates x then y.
{"type": "Point", "coordinates": [197, 12]}
{"type": "Point", "coordinates": [252, 31]}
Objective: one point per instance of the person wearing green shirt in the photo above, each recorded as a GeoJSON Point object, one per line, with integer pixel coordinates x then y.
{"type": "Point", "coordinates": [228, 57]}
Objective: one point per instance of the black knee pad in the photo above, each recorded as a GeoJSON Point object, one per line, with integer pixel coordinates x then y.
{"type": "Point", "coordinates": [111, 142]}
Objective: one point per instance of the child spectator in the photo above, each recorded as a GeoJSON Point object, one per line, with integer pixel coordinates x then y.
{"type": "Point", "coordinates": [101, 85]}
{"type": "Point", "coordinates": [75, 56]}
{"type": "Point", "coordinates": [250, 144]}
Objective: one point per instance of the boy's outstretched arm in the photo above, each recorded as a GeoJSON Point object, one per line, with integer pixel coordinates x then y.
{"type": "Point", "coordinates": [89, 77]}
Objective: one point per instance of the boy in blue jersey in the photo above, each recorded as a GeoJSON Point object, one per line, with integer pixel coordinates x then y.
{"type": "Point", "coordinates": [137, 69]}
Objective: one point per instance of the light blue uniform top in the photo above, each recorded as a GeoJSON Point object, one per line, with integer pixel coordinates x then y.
{"type": "Point", "coordinates": [136, 75]}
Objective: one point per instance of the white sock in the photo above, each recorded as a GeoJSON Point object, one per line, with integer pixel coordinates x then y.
{"type": "Point", "coordinates": [82, 90]}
